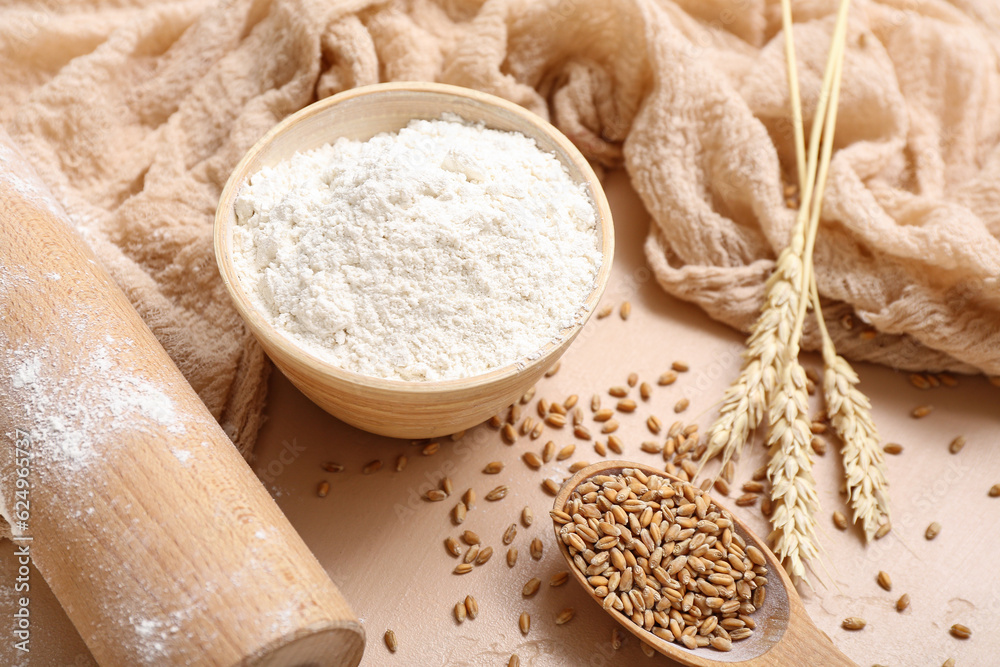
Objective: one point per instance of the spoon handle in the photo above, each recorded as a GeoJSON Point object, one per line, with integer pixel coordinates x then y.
{"type": "Point", "coordinates": [802, 644]}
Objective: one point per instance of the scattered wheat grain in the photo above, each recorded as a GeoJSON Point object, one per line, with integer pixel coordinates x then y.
{"type": "Point", "coordinates": [932, 530]}
{"type": "Point", "coordinates": [651, 447]}
{"type": "Point", "coordinates": [451, 544]}
{"type": "Point", "coordinates": [531, 460]}
{"type": "Point", "coordinates": [667, 378]}
{"type": "Point", "coordinates": [603, 415]}
{"type": "Point", "coordinates": [555, 420]}
{"type": "Point", "coordinates": [536, 549]}
{"type": "Point", "coordinates": [645, 391]}
{"type": "Point", "coordinates": [565, 616]}
{"type": "Point", "coordinates": [524, 622]}
{"type": "Point", "coordinates": [654, 425]}
{"type": "Point", "coordinates": [959, 631]}
{"type": "Point", "coordinates": [498, 493]}
{"type": "Point", "coordinates": [853, 623]}
{"type": "Point", "coordinates": [471, 607]}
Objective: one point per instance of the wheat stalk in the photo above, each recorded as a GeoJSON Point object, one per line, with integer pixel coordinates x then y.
{"type": "Point", "coordinates": [771, 374]}
{"type": "Point", "coordinates": [744, 402]}
{"type": "Point", "coordinates": [849, 411]}
{"type": "Point", "coordinates": [793, 489]}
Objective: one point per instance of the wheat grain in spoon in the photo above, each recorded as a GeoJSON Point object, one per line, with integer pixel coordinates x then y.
{"type": "Point", "coordinates": [784, 635]}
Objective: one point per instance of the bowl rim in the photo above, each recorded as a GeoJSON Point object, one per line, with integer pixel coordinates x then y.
{"type": "Point", "coordinates": [289, 348]}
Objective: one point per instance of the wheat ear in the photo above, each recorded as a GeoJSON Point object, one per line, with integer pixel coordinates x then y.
{"type": "Point", "coordinates": [746, 398]}
{"type": "Point", "coordinates": [789, 469]}
{"type": "Point", "coordinates": [849, 411]}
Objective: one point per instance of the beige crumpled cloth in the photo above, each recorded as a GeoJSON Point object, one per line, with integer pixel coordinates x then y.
{"type": "Point", "coordinates": [135, 111]}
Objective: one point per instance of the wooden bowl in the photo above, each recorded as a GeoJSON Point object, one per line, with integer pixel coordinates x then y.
{"type": "Point", "coordinates": [394, 407]}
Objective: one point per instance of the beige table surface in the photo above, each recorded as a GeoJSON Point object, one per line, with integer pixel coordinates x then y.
{"type": "Point", "coordinates": [383, 545]}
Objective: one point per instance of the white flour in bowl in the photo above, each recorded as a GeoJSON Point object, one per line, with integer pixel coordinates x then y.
{"type": "Point", "coordinates": [439, 252]}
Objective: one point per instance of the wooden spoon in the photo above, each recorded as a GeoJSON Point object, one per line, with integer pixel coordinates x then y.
{"type": "Point", "coordinates": [784, 635]}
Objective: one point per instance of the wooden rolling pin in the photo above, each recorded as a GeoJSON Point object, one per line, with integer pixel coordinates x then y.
{"type": "Point", "coordinates": [151, 530]}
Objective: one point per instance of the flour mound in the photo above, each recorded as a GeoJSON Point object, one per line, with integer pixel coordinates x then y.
{"type": "Point", "coordinates": [439, 252]}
